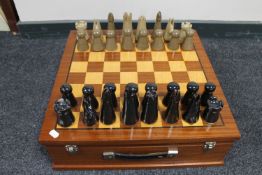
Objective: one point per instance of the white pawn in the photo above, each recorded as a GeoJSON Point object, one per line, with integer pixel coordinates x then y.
{"type": "Point", "coordinates": [175, 41]}
{"type": "Point", "coordinates": [188, 42]}
{"type": "Point", "coordinates": [142, 42]}
{"type": "Point", "coordinates": [158, 42]}
{"type": "Point", "coordinates": [111, 40]}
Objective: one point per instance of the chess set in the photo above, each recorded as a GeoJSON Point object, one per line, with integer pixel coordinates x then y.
{"type": "Point", "coordinates": [136, 99]}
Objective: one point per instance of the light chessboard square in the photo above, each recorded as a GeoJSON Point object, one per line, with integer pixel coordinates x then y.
{"type": "Point", "coordinates": [96, 57]}
{"type": "Point", "coordinates": [197, 76]}
{"type": "Point", "coordinates": [177, 66]}
{"type": "Point", "coordinates": [78, 66]}
{"type": "Point", "coordinates": [127, 56]}
{"type": "Point", "coordinates": [159, 56]}
{"type": "Point", "coordinates": [163, 77]}
{"type": "Point", "coordinates": [94, 78]}
{"type": "Point", "coordinates": [127, 77]}
{"type": "Point", "coordinates": [189, 55]}
{"type": "Point", "coordinates": [111, 66]}
{"type": "Point", "coordinates": [145, 66]}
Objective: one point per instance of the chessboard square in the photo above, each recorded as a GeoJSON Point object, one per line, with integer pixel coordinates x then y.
{"type": "Point", "coordinates": [197, 76]}
{"type": "Point", "coordinates": [77, 90]}
{"type": "Point", "coordinates": [111, 77]}
{"type": "Point", "coordinates": [162, 89]}
{"type": "Point", "coordinates": [145, 66]}
{"type": "Point", "coordinates": [193, 66]}
{"type": "Point", "coordinates": [183, 88]}
{"type": "Point", "coordinates": [97, 89]}
{"type": "Point", "coordinates": [95, 67]}
{"type": "Point", "coordinates": [94, 78]}
{"type": "Point", "coordinates": [157, 124]}
{"type": "Point", "coordinates": [143, 56]}
{"type": "Point", "coordinates": [96, 56]}
{"type": "Point", "coordinates": [78, 66]}
{"type": "Point", "coordinates": [75, 124]}
{"type": "Point", "coordinates": [180, 77]}
{"type": "Point", "coordinates": [128, 67]}
{"type": "Point", "coordinates": [112, 56]}
{"type": "Point", "coordinates": [116, 124]}
{"type": "Point", "coordinates": [159, 56]}
{"type": "Point", "coordinates": [128, 77]}
{"type": "Point", "coordinates": [174, 56]}
{"type": "Point", "coordinates": [141, 90]}
{"type": "Point", "coordinates": [127, 56]}
{"type": "Point", "coordinates": [144, 77]}
{"type": "Point", "coordinates": [76, 78]}
{"type": "Point", "coordinates": [163, 77]}
{"type": "Point", "coordinates": [81, 56]}
{"type": "Point", "coordinates": [161, 107]}
{"type": "Point", "coordinates": [177, 66]}
{"type": "Point", "coordinates": [189, 55]}
{"type": "Point", "coordinates": [161, 66]}
{"type": "Point", "coordinates": [198, 123]}
{"type": "Point", "coordinates": [111, 66]}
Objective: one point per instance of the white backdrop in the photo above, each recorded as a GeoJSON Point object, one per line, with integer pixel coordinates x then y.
{"type": "Point", "coordinates": [221, 10]}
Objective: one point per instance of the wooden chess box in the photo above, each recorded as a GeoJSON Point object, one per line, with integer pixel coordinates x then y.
{"type": "Point", "coordinates": [118, 146]}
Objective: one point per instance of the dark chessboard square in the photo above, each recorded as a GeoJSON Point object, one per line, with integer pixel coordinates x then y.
{"type": "Point", "coordinates": [161, 89]}
{"type": "Point", "coordinates": [95, 67]}
{"type": "Point", "coordinates": [97, 89]}
{"type": "Point", "coordinates": [128, 67]}
{"type": "Point", "coordinates": [180, 77]}
{"type": "Point", "coordinates": [144, 77]}
{"type": "Point", "coordinates": [76, 78]}
{"type": "Point", "coordinates": [113, 77]}
{"type": "Point", "coordinates": [112, 56]}
{"type": "Point", "coordinates": [80, 56]}
{"type": "Point", "coordinates": [143, 56]}
{"type": "Point", "coordinates": [161, 66]}
{"type": "Point", "coordinates": [174, 56]}
{"type": "Point", "coordinates": [193, 65]}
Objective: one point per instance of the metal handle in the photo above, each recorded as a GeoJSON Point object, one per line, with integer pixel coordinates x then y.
{"type": "Point", "coordinates": [113, 155]}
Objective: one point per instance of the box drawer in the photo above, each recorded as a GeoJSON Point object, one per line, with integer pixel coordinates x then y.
{"type": "Point", "coordinates": [86, 157]}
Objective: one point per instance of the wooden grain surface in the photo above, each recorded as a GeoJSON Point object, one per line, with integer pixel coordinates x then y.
{"type": "Point", "coordinates": [155, 136]}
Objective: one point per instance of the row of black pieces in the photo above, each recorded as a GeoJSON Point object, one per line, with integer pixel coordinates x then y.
{"type": "Point", "coordinates": [190, 104]}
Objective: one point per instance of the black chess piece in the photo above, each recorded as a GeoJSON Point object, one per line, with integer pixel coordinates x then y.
{"type": "Point", "coordinates": [191, 114]}
{"type": "Point", "coordinates": [212, 110]}
{"type": "Point", "coordinates": [112, 88]}
{"type": "Point", "coordinates": [170, 88]}
{"type": "Point", "coordinates": [88, 92]}
{"type": "Point", "coordinates": [172, 111]}
{"type": "Point", "coordinates": [65, 116]}
{"type": "Point", "coordinates": [130, 107]}
{"type": "Point", "coordinates": [66, 90]}
{"type": "Point", "coordinates": [192, 88]}
{"type": "Point", "coordinates": [107, 115]}
{"type": "Point", "coordinates": [208, 92]}
{"type": "Point", "coordinates": [149, 104]}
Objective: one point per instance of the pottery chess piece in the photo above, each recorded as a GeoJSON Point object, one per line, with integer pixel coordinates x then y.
{"type": "Point", "coordinates": [110, 22]}
{"type": "Point", "coordinates": [97, 43]}
{"type": "Point", "coordinates": [174, 42]}
{"type": "Point", "coordinates": [143, 42]}
{"type": "Point", "coordinates": [212, 110]}
{"type": "Point", "coordinates": [111, 44]}
{"type": "Point", "coordinates": [158, 24]}
{"type": "Point", "coordinates": [82, 35]}
{"type": "Point", "coordinates": [188, 42]}
{"type": "Point", "coordinates": [130, 107]}
{"type": "Point", "coordinates": [169, 30]}
{"type": "Point", "coordinates": [158, 42]}
{"type": "Point", "coordinates": [65, 117]}
{"type": "Point", "coordinates": [192, 88]}
{"type": "Point", "coordinates": [208, 92]}
{"type": "Point", "coordinates": [127, 41]}
{"type": "Point", "coordinates": [149, 104]}
{"type": "Point", "coordinates": [191, 114]}
{"type": "Point", "coordinates": [108, 115]}
{"type": "Point", "coordinates": [66, 91]}
{"type": "Point", "coordinates": [172, 100]}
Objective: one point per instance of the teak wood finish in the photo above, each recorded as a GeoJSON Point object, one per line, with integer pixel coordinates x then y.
{"type": "Point", "coordinates": [92, 143]}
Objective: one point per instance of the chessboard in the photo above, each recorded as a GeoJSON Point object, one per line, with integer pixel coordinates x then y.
{"type": "Point", "coordinates": [140, 67]}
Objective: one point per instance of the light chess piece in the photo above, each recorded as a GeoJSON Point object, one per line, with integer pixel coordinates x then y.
{"type": "Point", "coordinates": [158, 42]}
{"type": "Point", "coordinates": [143, 42]}
{"type": "Point", "coordinates": [82, 36]}
{"type": "Point", "coordinates": [175, 41]}
{"type": "Point", "coordinates": [188, 44]}
{"type": "Point", "coordinates": [141, 25]}
{"type": "Point", "coordinates": [169, 30]}
{"type": "Point", "coordinates": [158, 24]}
{"type": "Point", "coordinates": [97, 44]}
{"type": "Point", "coordinates": [127, 41]}
{"type": "Point", "coordinates": [111, 22]}
{"type": "Point", "coordinates": [111, 44]}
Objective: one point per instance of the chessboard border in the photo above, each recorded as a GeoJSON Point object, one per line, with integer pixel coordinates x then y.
{"type": "Point", "coordinates": [228, 131]}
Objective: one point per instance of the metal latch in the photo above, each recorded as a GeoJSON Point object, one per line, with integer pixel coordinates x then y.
{"type": "Point", "coordinates": [209, 145]}
{"type": "Point", "coordinates": [71, 148]}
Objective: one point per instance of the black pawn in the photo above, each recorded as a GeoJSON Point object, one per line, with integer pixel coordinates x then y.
{"type": "Point", "coordinates": [107, 111]}
{"type": "Point", "coordinates": [90, 103]}
{"type": "Point", "coordinates": [149, 104]}
{"type": "Point", "coordinates": [170, 88]}
{"type": "Point", "coordinates": [88, 92]}
{"type": "Point", "coordinates": [112, 88]}
{"type": "Point", "coordinates": [191, 114]}
{"type": "Point", "coordinates": [209, 89]}
{"type": "Point", "coordinates": [192, 88]}
{"type": "Point", "coordinates": [66, 90]}
{"type": "Point", "coordinates": [172, 111]}
{"type": "Point", "coordinates": [130, 112]}
{"type": "Point", "coordinates": [212, 110]}
{"type": "Point", "coordinates": [65, 116]}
